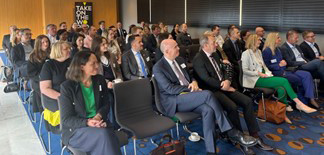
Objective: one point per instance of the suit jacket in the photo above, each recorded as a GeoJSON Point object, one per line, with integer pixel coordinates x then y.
{"type": "Point", "coordinates": [72, 105]}
{"type": "Point", "coordinates": [233, 56]}
{"type": "Point", "coordinates": [205, 73]}
{"type": "Point", "coordinates": [169, 84]}
{"type": "Point", "coordinates": [272, 61]}
{"type": "Point", "coordinates": [130, 68]}
{"type": "Point", "coordinates": [124, 33]}
{"type": "Point", "coordinates": [6, 42]}
{"type": "Point", "coordinates": [289, 55]}
{"type": "Point", "coordinates": [184, 39]}
{"type": "Point", "coordinates": [308, 51]}
{"type": "Point", "coordinates": [151, 43]}
{"type": "Point", "coordinates": [262, 44]}
{"type": "Point", "coordinates": [99, 31]}
{"type": "Point", "coordinates": [18, 56]}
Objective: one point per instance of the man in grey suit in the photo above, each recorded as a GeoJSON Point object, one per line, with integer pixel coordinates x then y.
{"type": "Point", "coordinates": [136, 62]}
{"type": "Point", "coordinates": [180, 93]}
{"type": "Point", "coordinates": [294, 57]}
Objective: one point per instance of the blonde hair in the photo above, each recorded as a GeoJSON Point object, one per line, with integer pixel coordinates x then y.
{"type": "Point", "coordinates": [251, 41]}
{"type": "Point", "coordinates": [57, 47]}
{"type": "Point", "coordinates": [271, 42]}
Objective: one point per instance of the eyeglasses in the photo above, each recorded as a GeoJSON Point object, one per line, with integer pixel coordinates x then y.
{"type": "Point", "coordinates": [28, 34]}
{"type": "Point", "coordinates": [313, 36]}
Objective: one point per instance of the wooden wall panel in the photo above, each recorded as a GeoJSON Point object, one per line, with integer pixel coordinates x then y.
{"type": "Point", "coordinates": [23, 13]}
{"type": "Point", "coordinates": [36, 14]}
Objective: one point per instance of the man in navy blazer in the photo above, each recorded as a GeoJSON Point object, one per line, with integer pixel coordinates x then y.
{"type": "Point", "coordinates": [294, 57]}
{"type": "Point", "coordinates": [309, 47]}
{"type": "Point", "coordinates": [180, 92]}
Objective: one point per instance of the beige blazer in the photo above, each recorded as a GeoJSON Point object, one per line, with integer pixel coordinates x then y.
{"type": "Point", "coordinates": [251, 67]}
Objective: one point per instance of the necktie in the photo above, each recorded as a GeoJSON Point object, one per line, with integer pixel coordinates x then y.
{"type": "Point", "coordinates": [182, 79]}
{"type": "Point", "coordinates": [218, 71]}
{"type": "Point", "coordinates": [138, 54]}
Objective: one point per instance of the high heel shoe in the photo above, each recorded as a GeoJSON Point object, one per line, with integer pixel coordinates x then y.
{"type": "Point", "coordinates": [305, 109]}
{"type": "Point", "coordinates": [287, 120]}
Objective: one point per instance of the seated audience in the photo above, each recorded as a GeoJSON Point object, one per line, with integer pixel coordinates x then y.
{"type": "Point", "coordinates": [136, 63]}
{"type": "Point", "coordinates": [166, 29]}
{"type": "Point", "coordinates": [62, 35]}
{"type": "Point", "coordinates": [294, 57]}
{"type": "Point", "coordinates": [78, 44]}
{"type": "Point", "coordinates": [51, 77]}
{"type": "Point", "coordinates": [212, 74]}
{"type": "Point", "coordinates": [229, 27]}
{"type": "Point", "coordinates": [259, 31]}
{"type": "Point", "coordinates": [175, 31]}
{"type": "Point", "coordinates": [73, 30]}
{"type": "Point", "coordinates": [309, 46]}
{"type": "Point", "coordinates": [7, 39]}
{"type": "Point", "coordinates": [233, 51]}
{"type": "Point", "coordinates": [158, 52]}
{"type": "Point", "coordinates": [109, 66]}
{"type": "Point", "coordinates": [88, 38]}
{"type": "Point", "coordinates": [216, 32]}
{"type": "Point", "coordinates": [20, 53]}
{"type": "Point", "coordinates": [130, 32]}
{"type": "Point", "coordinates": [84, 106]}
{"type": "Point", "coordinates": [184, 38]}
{"type": "Point", "coordinates": [63, 26]}
{"type": "Point", "coordinates": [85, 29]}
{"type": "Point", "coordinates": [136, 30]}
{"type": "Point", "coordinates": [51, 33]}
{"type": "Point", "coordinates": [120, 31]}
{"type": "Point", "coordinates": [257, 74]}
{"type": "Point", "coordinates": [179, 92]}
{"type": "Point", "coordinates": [151, 44]}
{"type": "Point", "coordinates": [244, 35]}
{"type": "Point", "coordinates": [161, 26]}
{"type": "Point", "coordinates": [102, 27]}
{"type": "Point", "coordinates": [35, 63]}
{"type": "Point", "coordinates": [113, 46]}
{"type": "Point", "coordinates": [302, 80]}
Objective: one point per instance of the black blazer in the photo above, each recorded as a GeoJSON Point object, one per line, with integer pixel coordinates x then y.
{"type": "Point", "coordinates": [151, 43]}
{"type": "Point", "coordinates": [308, 51]}
{"type": "Point", "coordinates": [130, 68]}
{"type": "Point", "coordinates": [289, 55]}
{"type": "Point", "coordinates": [18, 56]}
{"type": "Point", "coordinates": [124, 32]}
{"type": "Point", "coordinates": [261, 44]}
{"type": "Point", "coordinates": [99, 31]}
{"type": "Point", "coordinates": [233, 56]}
{"type": "Point", "coordinates": [205, 73]}
{"type": "Point", "coordinates": [168, 83]}
{"type": "Point", "coordinates": [6, 42]}
{"type": "Point", "coordinates": [72, 105]}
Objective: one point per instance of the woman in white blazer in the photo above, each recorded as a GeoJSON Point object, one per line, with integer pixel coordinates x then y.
{"type": "Point", "coordinates": [256, 74]}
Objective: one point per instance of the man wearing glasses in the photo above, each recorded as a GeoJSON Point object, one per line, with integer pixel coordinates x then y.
{"type": "Point", "coordinates": [309, 47]}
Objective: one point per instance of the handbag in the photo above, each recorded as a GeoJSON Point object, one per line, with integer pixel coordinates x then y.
{"type": "Point", "coordinates": [173, 147]}
{"type": "Point", "coordinates": [272, 110]}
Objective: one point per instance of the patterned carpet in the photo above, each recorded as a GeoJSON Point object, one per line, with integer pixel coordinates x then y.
{"type": "Point", "coordinates": [305, 136]}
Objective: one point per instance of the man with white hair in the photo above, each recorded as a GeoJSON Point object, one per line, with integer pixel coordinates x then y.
{"type": "Point", "coordinates": [51, 33]}
{"type": "Point", "coordinates": [179, 92]}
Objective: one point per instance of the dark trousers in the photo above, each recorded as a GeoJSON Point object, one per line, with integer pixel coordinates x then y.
{"type": "Point", "coordinates": [315, 67]}
{"type": "Point", "coordinates": [230, 101]}
{"type": "Point", "coordinates": [204, 103]}
{"type": "Point", "coordinates": [96, 141]}
{"type": "Point", "coordinates": [303, 80]}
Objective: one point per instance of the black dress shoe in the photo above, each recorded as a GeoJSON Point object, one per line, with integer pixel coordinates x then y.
{"type": "Point", "coordinates": [263, 146]}
{"type": "Point", "coordinates": [237, 136]}
{"type": "Point", "coordinates": [246, 150]}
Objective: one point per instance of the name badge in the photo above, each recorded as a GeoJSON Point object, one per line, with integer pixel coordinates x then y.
{"type": "Point", "coordinates": [148, 59]}
{"type": "Point", "coordinates": [273, 60]}
{"type": "Point", "coordinates": [114, 65]}
{"type": "Point", "coordinates": [183, 66]}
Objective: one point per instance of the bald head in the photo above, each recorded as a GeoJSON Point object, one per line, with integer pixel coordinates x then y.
{"type": "Point", "coordinates": [259, 31]}
{"type": "Point", "coordinates": [170, 49]}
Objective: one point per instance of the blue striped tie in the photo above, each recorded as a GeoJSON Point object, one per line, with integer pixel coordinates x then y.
{"type": "Point", "coordinates": [138, 54]}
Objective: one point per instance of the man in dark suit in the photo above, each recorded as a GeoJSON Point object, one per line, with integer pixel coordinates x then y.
{"type": "Point", "coordinates": [212, 74]}
{"type": "Point", "coordinates": [20, 53]}
{"type": "Point", "coordinates": [152, 41]}
{"type": "Point", "coordinates": [102, 26]}
{"type": "Point", "coordinates": [180, 93]}
{"type": "Point", "coordinates": [184, 38]}
{"type": "Point", "coordinates": [259, 31]}
{"type": "Point", "coordinates": [6, 40]}
{"type": "Point", "coordinates": [233, 51]}
{"type": "Point", "coordinates": [136, 62]}
{"type": "Point", "coordinates": [120, 31]}
{"type": "Point", "coordinates": [294, 57]}
{"type": "Point", "coordinates": [309, 47]}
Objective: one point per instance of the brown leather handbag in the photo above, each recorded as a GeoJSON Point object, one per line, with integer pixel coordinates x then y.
{"type": "Point", "coordinates": [173, 147]}
{"type": "Point", "coordinates": [272, 110]}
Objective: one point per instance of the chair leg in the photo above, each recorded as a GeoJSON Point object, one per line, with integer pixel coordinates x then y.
{"type": "Point", "coordinates": [134, 141]}
{"type": "Point", "coordinates": [31, 114]}
{"type": "Point", "coordinates": [178, 135]}
{"type": "Point", "coordinates": [125, 153]}
{"type": "Point", "coordinates": [47, 150]}
{"type": "Point", "coordinates": [316, 89]}
{"type": "Point", "coordinates": [171, 133]}
{"type": "Point", "coordinates": [62, 151]}
{"type": "Point", "coordinates": [264, 108]}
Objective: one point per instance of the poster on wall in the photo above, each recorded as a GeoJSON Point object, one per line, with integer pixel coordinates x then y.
{"type": "Point", "coordinates": [83, 13]}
